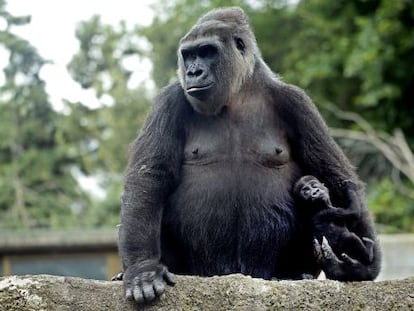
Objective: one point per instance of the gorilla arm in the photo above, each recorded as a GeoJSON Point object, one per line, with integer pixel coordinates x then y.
{"type": "Point", "coordinates": [151, 174]}
{"type": "Point", "coordinates": [317, 154]}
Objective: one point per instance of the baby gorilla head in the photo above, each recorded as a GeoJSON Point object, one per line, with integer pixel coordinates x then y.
{"type": "Point", "coordinates": [310, 189]}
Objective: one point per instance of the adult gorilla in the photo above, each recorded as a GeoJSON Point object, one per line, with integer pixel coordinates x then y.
{"type": "Point", "coordinates": [208, 187]}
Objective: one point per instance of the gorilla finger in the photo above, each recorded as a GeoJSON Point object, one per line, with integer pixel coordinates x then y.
{"type": "Point", "coordinates": [138, 295]}
{"type": "Point", "coordinates": [170, 278]}
{"type": "Point", "coordinates": [355, 237]}
{"type": "Point", "coordinates": [118, 277]}
{"type": "Point", "coordinates": [159, 287]}
{"type": "Point", "coordinates": [128, 294]}
{"type": "Point", "coordinates": [327, 250]}
{"type": "Point", "coordinates": [358, 242]}
{"type": "Point", "coordinates": [349, 260]}
{"type": "Point", "coordinates": [350, 184]}
{"type": "Point", "coordinates": [317, 250]}
{"type": "Point", "coordinates": [148, 292]}
{"type": "Point", "coordinates": [369, 244]}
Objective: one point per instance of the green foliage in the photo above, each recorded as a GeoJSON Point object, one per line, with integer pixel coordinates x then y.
{"type": "Point", "coordinates": [38, 188]}
{"type": "Point", "coordinates": [393, 212]}
{"type": "Point", "coordinates": [105, 133]}
{"type": "Point", "coordinates": [357, 54]}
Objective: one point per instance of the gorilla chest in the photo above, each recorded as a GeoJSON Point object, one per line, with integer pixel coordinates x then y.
{"type": "Point", "coordinates": [235, 165]}
{"type": "Point", "coordinates": [233, 198]}
{"type": "Point", "coordinates": [234, 142]}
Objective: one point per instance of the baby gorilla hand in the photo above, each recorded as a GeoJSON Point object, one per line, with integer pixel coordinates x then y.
{"type": "Point", "coordinates": [145, 283]}
{"type": "Point", "coordinates": [344, 268]}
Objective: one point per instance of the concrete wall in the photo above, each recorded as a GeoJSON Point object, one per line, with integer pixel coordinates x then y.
{"type": "Point", "coordinates": [398, 256]}
{"type": "Point", "coordinates": [233, 292]}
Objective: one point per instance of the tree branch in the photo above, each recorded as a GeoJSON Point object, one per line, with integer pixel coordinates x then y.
{"type": "Point", "coordinates": [393, 147]}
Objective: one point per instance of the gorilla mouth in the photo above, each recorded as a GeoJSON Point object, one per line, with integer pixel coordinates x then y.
{"type": "Point", "coordinates": [199, 92]}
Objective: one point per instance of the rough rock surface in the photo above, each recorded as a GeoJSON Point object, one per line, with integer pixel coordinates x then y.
{"type": "Point", "coordinates": [234, 292]}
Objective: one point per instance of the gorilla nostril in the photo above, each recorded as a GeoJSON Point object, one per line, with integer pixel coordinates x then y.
{"type": "Point", "coordinates": [278, 150]}
{"type": "Point", "coordinates": [198, 73]}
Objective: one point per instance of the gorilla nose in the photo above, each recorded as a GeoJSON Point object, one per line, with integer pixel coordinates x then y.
{"type": "Point", "coordinates": [197, 80]}
{"type": "Point", "coordinates": [195, 73]}
{"type": "Point", "coordinates": [315, 192]}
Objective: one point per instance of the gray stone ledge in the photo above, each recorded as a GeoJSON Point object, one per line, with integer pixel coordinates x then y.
{"type": "Point", "coordinates": [234, 292]}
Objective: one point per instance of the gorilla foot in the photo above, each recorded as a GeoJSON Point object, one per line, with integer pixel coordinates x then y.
{"type": "Point", "coordinates": [344, 268]}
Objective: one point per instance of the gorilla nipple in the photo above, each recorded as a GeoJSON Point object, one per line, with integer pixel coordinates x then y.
{"type": "Point", "coordinates": [278, 150]}
{"type": "Point", "coordinates": [195, 151]}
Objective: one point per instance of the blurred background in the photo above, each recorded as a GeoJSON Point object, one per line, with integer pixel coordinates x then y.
{"type": "Point", "coordinates": [77, 79]}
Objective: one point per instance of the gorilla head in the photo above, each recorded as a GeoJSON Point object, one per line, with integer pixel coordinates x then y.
{"type": "Point", "coordinates": [308, 188]}
{"type": "Point", "coordinates": [215, 58]}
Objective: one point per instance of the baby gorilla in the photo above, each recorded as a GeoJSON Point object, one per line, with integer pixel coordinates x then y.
{"type": "Point", "coordinates": [331, 224]}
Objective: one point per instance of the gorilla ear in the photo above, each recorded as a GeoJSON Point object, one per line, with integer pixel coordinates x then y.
{"type": "Point", "coordinates": [240, 44]}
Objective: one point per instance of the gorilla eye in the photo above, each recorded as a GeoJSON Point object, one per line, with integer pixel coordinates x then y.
{"type": "Point", "coordinates": [186, 54]}
{"type": "Point", "coordinates": [240, 44]}
{"type": "Point", "coordinates": [207, 51]}
{"type": "Point", "coordinates": [314, 185]}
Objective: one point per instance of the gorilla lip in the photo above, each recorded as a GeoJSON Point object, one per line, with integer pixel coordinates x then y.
{"type": "Point", "coordinates": [193, 89]}
{"type": "Point", "coordinates": [199, 92]}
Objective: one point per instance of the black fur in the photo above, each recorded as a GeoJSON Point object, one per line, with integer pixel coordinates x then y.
{"type": "Point", "coordinates": [208, 188]}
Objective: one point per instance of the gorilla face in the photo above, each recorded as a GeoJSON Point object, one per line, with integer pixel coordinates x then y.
{"type": "Point", "coordinates": [311, 189]}
{"type": "Point", "coordinates": [199, 62]}
{"type": "Point", "coordinates": [215, 60]}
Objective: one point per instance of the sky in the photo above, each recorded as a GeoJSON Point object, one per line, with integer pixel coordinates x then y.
{"type": "Point", "coordinates": [52, 32]}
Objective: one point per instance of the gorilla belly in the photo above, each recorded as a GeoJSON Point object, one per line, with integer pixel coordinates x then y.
{"type": "Point", "coordinates": [229, 217]}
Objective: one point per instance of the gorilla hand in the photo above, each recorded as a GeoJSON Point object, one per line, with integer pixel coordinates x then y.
{"type": "Point", "coordinates": [344, 268]}
{"type": "Point", "coordinates": [143, 283]}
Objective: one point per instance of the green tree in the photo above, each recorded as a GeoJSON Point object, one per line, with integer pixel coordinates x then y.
{"type": "Point", "coordinates": [101, 65]}
{"type": "Point", "coordinates": [36, 181]}
{"type": "Point", "coordinates": [357, 54]}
